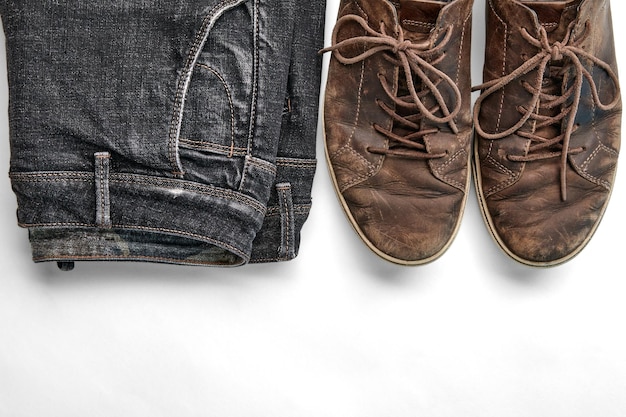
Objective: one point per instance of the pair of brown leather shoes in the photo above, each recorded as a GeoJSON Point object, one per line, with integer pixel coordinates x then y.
{"type": "Point", "coordinates": [398, 124]}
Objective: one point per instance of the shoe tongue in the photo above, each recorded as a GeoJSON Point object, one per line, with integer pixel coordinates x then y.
{"type": "Point", "coordinates": [548, 14]}
{"type": "Point", "coordinates": [554, 16]}
{"type": "Point", "coordinates": [418, 17]}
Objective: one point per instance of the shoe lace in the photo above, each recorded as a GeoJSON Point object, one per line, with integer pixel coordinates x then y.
{"type": "Point", "coordinates": [415, 59]}
{"type": "Point", "coordinates": [545, 96]}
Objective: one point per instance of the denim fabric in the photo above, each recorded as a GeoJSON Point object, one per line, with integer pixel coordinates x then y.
{"type": "Point", "coordinates": [177, 131]}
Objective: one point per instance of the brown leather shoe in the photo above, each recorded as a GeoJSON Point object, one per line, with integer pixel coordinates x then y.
{"type": "Point", "coordinates": [547, 126]}
{"type": "Point", "coordinates": [397, 118]}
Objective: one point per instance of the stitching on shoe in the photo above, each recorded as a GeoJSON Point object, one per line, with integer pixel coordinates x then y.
{"type": "Point", "coordinates": [358, 6]}
{"type": "Point", "coordinates": [357, 180]}
{"type": "Point", "coordinates": [458, 67]}
{"type": "Point", "coordinates": [357, 116]}
{"type": "Point", "coordinates": [501, 185]}
{"type": "Point", "coordinates": [347, 149]}
{"type": "Point", "coordinates": [500, 166]}
{"type": "Point", "coordinates": [461, 45]}
{"type": "Point", "coordinates": [585, 165]}
{"type": "Point", "coordinates": [450, 160]}
{"type": "Point", "coordinates": [417, 23]}
{"type": "Point", "coordinates": [601, 146]}
{"type": "Point", "coordinates": [358, 109]}
{"type": "Point", "coordinates": [506, 34]}
{"type": "Point", "coordinates": [371, 169]}
{"type": "Point", "coordinates": [571, 6]}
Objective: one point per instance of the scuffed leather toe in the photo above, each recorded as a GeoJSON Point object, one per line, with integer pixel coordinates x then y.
{"type": "Point", "coordinates": [405, 223]}
{"type": "Point", "coordinates": [535, 227]}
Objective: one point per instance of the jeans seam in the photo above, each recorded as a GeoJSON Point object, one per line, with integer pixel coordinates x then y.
{"type": "Point", "coordinates": [142, 228]}
{"type": "Point", "coordinates": [206, 190]}
{"type": "Point", "coordinates": [300, 209]}
{"type": "Point", "coordinates": [139, 179]}
{"type": "Point", "coordinates": [212, 147]}
{"type": "Point", "coordinates": [51, 176]}
{"type": "Point", "coordinates": [129, 257]}
{"type": "Point", "coordinates": [303, 163]}
{"type": "Point", "coordinates": [255, 75]}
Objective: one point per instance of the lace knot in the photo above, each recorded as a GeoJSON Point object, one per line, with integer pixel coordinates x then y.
{"type": "Point", "coordinates": [402, 46]}
{"type": "Point", "coordinates": [556, 51]}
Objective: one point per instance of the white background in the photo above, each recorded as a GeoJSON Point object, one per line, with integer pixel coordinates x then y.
{"type": "Point", "coordinates": [336, 332]}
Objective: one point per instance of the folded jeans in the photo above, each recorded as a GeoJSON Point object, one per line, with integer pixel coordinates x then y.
{"type": "Point", "coordinates": [183, 132]}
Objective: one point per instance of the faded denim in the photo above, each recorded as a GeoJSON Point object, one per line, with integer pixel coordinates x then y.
{"type": "Point", "coordinates": [175, 131]}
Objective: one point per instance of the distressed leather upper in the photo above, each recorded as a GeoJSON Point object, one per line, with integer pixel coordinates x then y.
{"type": "Point", "coordinates": [401, 170]}
{"type": "Point", "coordinates": [548, 125]}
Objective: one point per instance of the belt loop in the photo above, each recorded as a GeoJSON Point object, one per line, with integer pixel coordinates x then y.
{"type": "Point", "coordinates": [103, 205]}
{"type": "Point", "coordinates": [287, 218]}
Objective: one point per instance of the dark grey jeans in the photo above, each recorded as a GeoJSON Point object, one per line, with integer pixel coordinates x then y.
{"type": "Point", "coordinates": [177, 131]}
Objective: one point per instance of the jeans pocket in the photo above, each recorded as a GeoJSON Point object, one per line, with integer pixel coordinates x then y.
{"type": "Point", "coordinates": [219, 96]}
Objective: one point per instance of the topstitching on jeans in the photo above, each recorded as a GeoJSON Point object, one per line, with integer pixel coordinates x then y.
{"type": "Point", "coordinates": [255, 74]}
{"type": "Point", "coordinates": [143, 180]}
